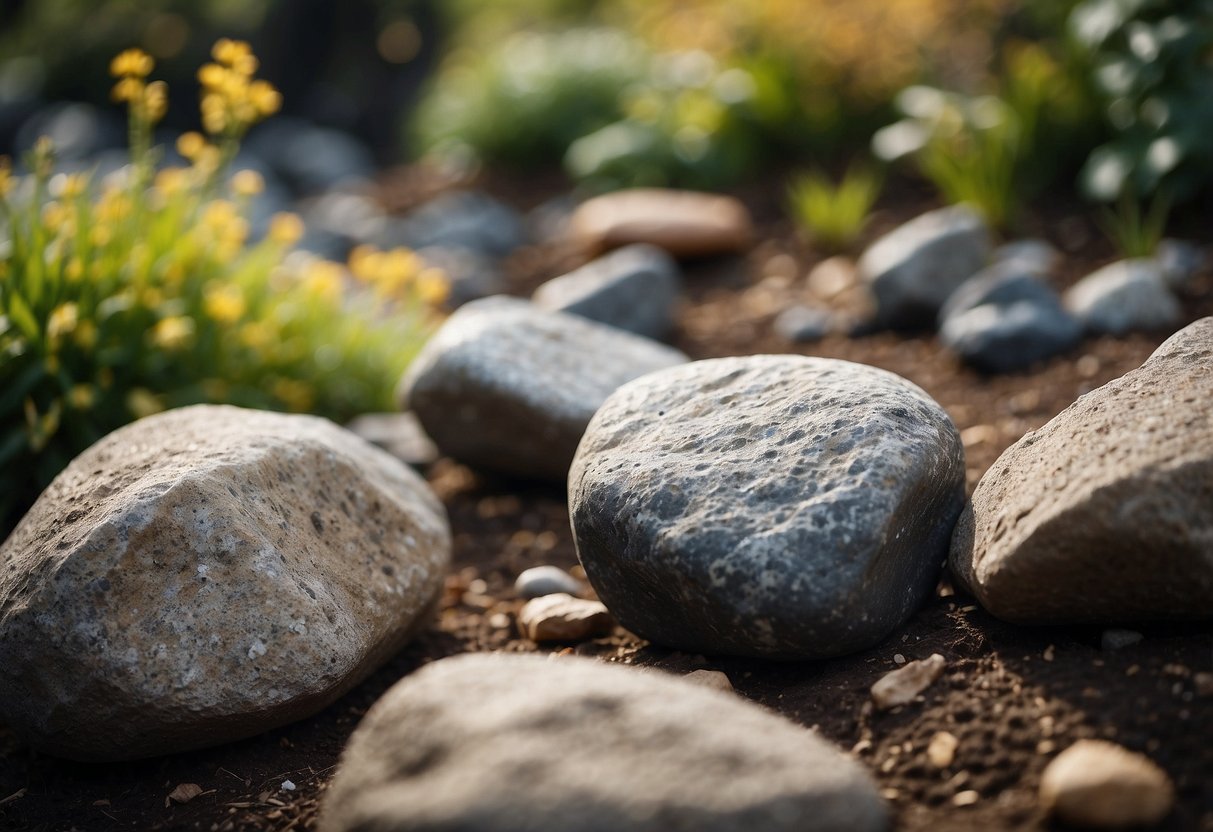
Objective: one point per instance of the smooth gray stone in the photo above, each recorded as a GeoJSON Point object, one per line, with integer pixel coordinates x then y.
{"type": "Point", "coordinates": [1002, 284]}
{"type": "Point", "coordinates": [1180, 261]}
{"type": "Point", "coordinates": [1123, 297]}
{"type": "Point", "coordinates": [800, 323]}
{"type": "Point", "coordinates": [400, 434]}
{"type": "Point", "coordinates": [79, 131]}
{"type": "Point", "coordinates": [633, 288]}
{"type": "Point", "coordinates": [469, 274]}
{"type": "Point", "coordinates": [772, 506]}
{"type": "Point", "coordinates": [1033, 255]}
{"type": "Point", "coordinates": [459, 220]}
{"type": "Point", "coordinates": [513, 743]}
{"type": "Point", "coordinates": [508, 387]}
{"type": "Point", "coordinates": [913, 269]}
{"type": "Point", "coordinates": [1003, 338]}
{"type": "Point", "coordinates": [309, 158]}
{"type": "Point", "coordinates": [1103, 515]}
{"type": "Point", "coordinates": [539, 581]}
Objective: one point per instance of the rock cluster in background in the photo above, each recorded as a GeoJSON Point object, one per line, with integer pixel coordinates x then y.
{"type": "Point", "coordinates": [208, 574]}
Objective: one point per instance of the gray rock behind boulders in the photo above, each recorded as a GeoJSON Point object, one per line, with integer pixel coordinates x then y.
{"type": "Point", "coordinates": [1003, 283]}
{"type": "Point", "coordinates": [633, 288]}
{"type": "Point", "coordinates": [1180, 261]}
{"type": "Point", "coordinates": [529, 744]}
{"type": "Point", "coordinates": [912, 270]}
{"type": "Point", "coordinates": [773, 506]}
{"type": "Point", "coordinates": [508, 387]}
{"type": "Point", "coordinates": [1103, 515]}
{"type": "Point", "coordinates": [208, 574]}
{"type": "Point", "coordinates": [1122, 297]}
{"type": "Point", "coordinates": [469, 220]}
{"type": "Point", "coordinates": [1004, 338]}
{"type": "Point", "coordinates": [469, 274]}
{"type": "Point", "coordinates": [800, 324]}
{"type": "Point", "coordinates": [1030, 254]}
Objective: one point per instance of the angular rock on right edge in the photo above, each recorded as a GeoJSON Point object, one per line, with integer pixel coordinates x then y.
{"type": "Point", "coordinates": [772, 506]}
{"type": "Point", "coordinates": [1105, 514]}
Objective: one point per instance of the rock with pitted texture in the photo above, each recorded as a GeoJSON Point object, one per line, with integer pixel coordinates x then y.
{"type": "Point", "coordinates": [530, 744]}
{"type": "Point", "coordinates": [1103, 515]}
{"type": "Point", "coordinates": [773, 506]}
{"type": "Point", "coordinates": [207, 574]}
{"type": "Point", "coordinates": [912, 270]}
{"type": "Point", "coordinates": [633, 288]}
{"type": "Point", "coordinates": [684, 223]}
{"type": "Point", "coordinates": [508, 387]}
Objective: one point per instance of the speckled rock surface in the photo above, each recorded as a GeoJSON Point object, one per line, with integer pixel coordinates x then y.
{"type": "Point", "coordinates": [208, 574]}
{"type": "Point", "coordinates": [528, 744]}
{"type": "Point", "coordinates": [508, 387]}
{"type": "Point", "coordinates": [773, 506]}
{"type": "Point", "coordinates": [913, 269]}
{"type": "Point", "coordinates": [1126, 296]}
{"type": "Point", "coordinates": [633, 288]}
{"type": "Point", "coordinates": [1104, 514]}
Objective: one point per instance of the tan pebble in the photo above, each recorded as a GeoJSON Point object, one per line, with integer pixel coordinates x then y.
{"type": "Point", "coordinates": [709, 679]}
{"type": "Point", "coordinates": [965, 798]}
{"type": "Point", "coordinates": [1102, 785]}
{"type": "Point", "coordinates": [1204, 684]}
{"type": "Point", "coordinates": [1049, 653]}
{"type": "Point", "coordinates": [832, 277]}
{"type": "Point", "coordinates": [979, 435]}
{"type": "Point", "coordinates": [890, 794]}
{"type": "Point", "coordinates": [898, 658]}
{"type": "Point", "coordinates": [499, 621]}
{"type": "Point", "coordinates": [942, 749]}
{"type": "Point", "coordinates": [901, 686]}
{"type": "Point", "coordinates": [561, 617]}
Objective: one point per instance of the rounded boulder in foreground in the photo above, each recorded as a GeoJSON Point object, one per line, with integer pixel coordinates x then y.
{"type": "Point", "coordinates": [529, 744]}
{"type": "Point", "coordinates": [770, 506]}
{"type": "Point", "coordinates": [208, 574]}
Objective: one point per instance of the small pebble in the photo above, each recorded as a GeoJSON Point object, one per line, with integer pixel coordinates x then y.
{"type": "Point", "coordinates": [1204, 684]}
{"type": "Point", "coordinates": [709, 679]}
{"type": "Point", "coordinates": [901, 686]}
{"type": "Point", "coordinates": [1117, 639]}
{"type": "Point", "coordinates": [1050, 651]}
{"type": "Point", "coordinates": [942, 749]}
{"type": "Point", "coordinates": [561, 617]}
{"type": "Point", "coordinates": [287, 786]}
{"type": "Point", "coordinates": [546, 580]}
{"type": "Point", "coordinates": [1101, 785]}
{"type": "Point", "coordinates": [898, 658]}
{"type": "Point", "coordinates": [965, 798]}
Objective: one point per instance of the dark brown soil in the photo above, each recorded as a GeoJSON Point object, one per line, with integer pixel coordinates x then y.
{"type": "Point", "coordinates": [1012, 696]}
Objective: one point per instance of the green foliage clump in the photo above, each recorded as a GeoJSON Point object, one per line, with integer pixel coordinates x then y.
{"type": "Point", "coordinates": [833, 216]}
{"type": "Point", "coordinates": [1150, 65]}
{"type": "Point", "coordinates": [526, 99]}
{"type": "Point", "coordinates": [143, 292]}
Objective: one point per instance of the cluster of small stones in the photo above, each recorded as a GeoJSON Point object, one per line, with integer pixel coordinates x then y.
{"type": "Point", "coordinates": [209, 573]}
{"type": "Point", "coordinates": [993, 306]}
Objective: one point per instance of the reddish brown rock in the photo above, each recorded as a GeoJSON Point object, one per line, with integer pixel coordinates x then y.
{"type": "Point", "coordinates": [684, 223]}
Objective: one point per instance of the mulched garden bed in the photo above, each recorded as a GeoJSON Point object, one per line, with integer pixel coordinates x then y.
{"type": "Point", "coordinates": [1011, 695]}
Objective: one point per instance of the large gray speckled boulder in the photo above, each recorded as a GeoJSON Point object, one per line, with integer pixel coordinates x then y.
{"type": "Point", "coordinates": [208, 574]}
{"type": "Point", "coordinates": [913, 269]}
{"type": "Point", "coordinates": [528, 744]}
{"type": "Point", "coordinates": [508, 387]}
{"type": "Point", "coordinates": [633, 288]}
{"type": "Point", "coordinates": [1126, 296]}
{"type": "Point", "coordinates": [1104, 514]}
{"type": "Point", "coordinates": [774, 506]}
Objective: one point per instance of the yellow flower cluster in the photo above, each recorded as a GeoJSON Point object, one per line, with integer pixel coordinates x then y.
{"type": "Point", "coordinates": [393, 272]}
{"type": "Point", "coordinates": [231, 100]}
{"type": "Point", "coordinates": [148, 101]}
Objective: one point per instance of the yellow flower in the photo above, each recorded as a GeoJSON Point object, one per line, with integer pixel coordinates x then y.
{"type": "Point", "coordinates": [155, 101]}
{"type": "Point", "coordinates": [296, 395]}
{"type": "Point", "coordinates": [132, 62]}
{"type": "Point", "coordinates": [212, 76]}
{"type": "Point", "coordinates": [71, 185]}
{"type": "Point", "coordinates": [190, 145]}
{"type": "Point", "coordinates": [128, 89]}
{"type": "Point", "coordinates": [100, 236]}
{"type": "Point", "coordinates": [257, 335]}
{"type": "Point", "coordinates": [247, 183]}
{"type": "Point", "coordinates": [225, 304]}
{"type": "Point", "coordinates": [57, 218]}
{"type": "Point", "coordinates": [6, 176]}
{"type": "Point", "coordinates": [433, 287]}
{"type": "Point", "coordinates": [171, 181]}
{"type": "Point", "coordinates": [62, 321]}
{"type": "Point", "coordinates": [173, 333]}
{"type": "Point", "coordinates": [143, 402]}
{"type": "Point", "coordinates": [323, 280]}
{"type": "Point", "coordinates": [235, 54]}
{"type": "Point", "coordinates": [286, 229]}
{"type": "Point", "coordinates": [82, 396]}
{"type": "Point", "coordinates": [264, 98]}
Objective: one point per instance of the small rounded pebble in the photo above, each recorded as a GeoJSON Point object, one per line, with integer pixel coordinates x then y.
{"type": "Point", "coordinates": [546, 580]}
{"type": "Point", "coordinates": [901, 686]}
{"type": "Point", "coordinates": [1118, 639]}
{"type": "Point", "coordinates": [942, 749]}
{"type": "Point", "coordinates": [714, 679]}
{"type": "Point", "coordinates": [1101, 785]}
{"type": "Point", "coordinates": [561, 617]}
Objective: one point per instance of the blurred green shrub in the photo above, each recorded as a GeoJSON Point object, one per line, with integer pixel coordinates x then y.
{"type": "Point", "coordinates": [124, 297]}
{"type": "Point", "coordinates": [1136, 233]}
{"type": "Point", "coordinates": [526, 99]}
{"type": "Point", "coordinates": [833, 216]}
{"type": "Point", "coordinates": [1150, 66]}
